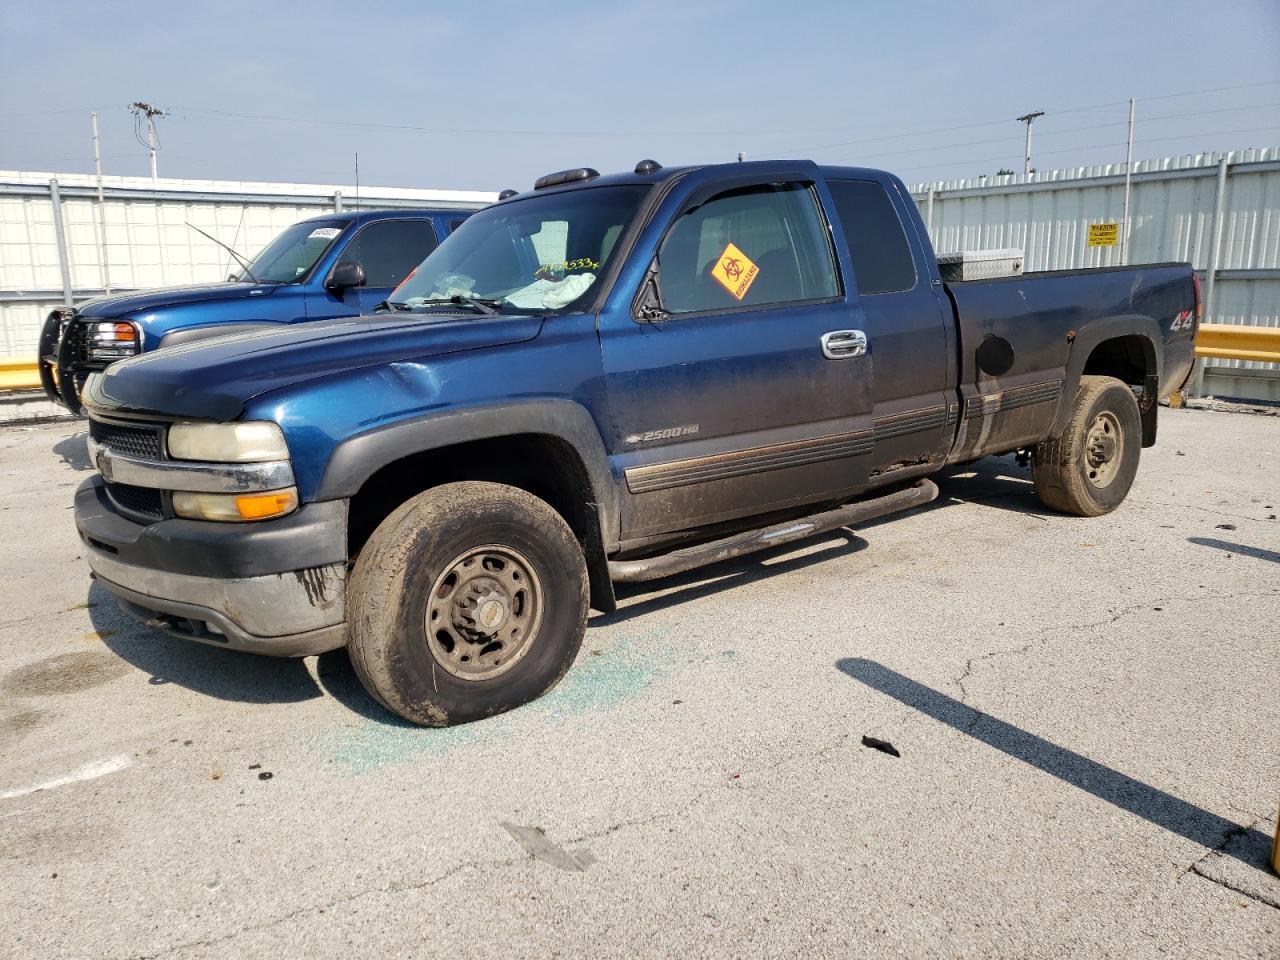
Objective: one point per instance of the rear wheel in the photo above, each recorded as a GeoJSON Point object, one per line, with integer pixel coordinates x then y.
{"type": "Point", "coordinates": [1088, 468]}
{"type": "Point", "coordinates": [468, 600]}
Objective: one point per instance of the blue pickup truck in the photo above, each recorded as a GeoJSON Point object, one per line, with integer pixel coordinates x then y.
{"type": "Point", "coordinates": [339, 265]}
{"type": "Point", "coordinates": [604, 379]}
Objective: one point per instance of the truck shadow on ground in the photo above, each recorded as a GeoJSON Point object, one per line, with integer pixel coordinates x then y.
{"type": "Point", "coordinates": [996, 482]}
{"type": "Point", "coordinates": [74, 451]}
{"type": "Point", "coordinates": [248, 678]}
{"type": "Point", "coordinates": [229, 674]}
{"type": "Point", "coordinates": [992, 482]}
{"type": "Point", "coordinates": [726, 575]}
{"type": "Point", "coordinates": [1258, 553]}
{"type": "Point", "coordinates": [214, 672]}
{"type": "Point", "coordinates": [1196, 824]}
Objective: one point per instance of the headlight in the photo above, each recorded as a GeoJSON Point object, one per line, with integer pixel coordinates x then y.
{"type": "Point", "coordinates": [235, 506]}
{"type": "Point", "coordinates": [243, 442]}
{"type": "Point", "coordinates": [108, 342]}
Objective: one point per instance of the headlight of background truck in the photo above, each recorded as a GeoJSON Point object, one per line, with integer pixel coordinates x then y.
{"type": "Point", "coordinates": [111, 341]}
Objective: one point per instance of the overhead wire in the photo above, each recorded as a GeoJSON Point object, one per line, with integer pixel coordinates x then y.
{"type": "Point", "coordinates": [1005, 120]}
{"type": "Point", "coordinates": [1056, 133]}
{"type": "Point", "coordinates": [1092, 146]}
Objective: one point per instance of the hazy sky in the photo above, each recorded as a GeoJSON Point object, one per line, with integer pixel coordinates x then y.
{"type": "Point", "coordinates": [503, 92]}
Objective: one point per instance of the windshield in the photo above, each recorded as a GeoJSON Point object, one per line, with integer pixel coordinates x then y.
{"type": "Point", "coordinates": [539, 254]}
{"type": "Point", "coordinates": [289, 256]}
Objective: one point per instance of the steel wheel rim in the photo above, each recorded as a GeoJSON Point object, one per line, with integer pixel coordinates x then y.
{"type": "Point", "coordinates": [483, 612]}
{"type": "Point", "coordinates": [1102, 448]}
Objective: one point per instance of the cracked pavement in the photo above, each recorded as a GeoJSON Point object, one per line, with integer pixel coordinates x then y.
{"type": "Point", "coordinates": [1087, 713]}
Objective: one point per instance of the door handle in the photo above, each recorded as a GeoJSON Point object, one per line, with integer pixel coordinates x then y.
{"type": "Point", "coordinates": [843, 344]}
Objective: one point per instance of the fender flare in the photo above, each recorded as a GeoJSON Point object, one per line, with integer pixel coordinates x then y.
{"type": "Point", "coordinates": [357, 458]}
{"type": "Point", "coordinates": [1094, 333]}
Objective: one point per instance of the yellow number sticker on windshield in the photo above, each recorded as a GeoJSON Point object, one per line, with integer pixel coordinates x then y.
{"type": "Point", "coordinates": [735, 271]}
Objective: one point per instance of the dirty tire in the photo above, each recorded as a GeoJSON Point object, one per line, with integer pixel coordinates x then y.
{"type": "Point", "coordinates": [397, 581]}
{"type": "Point", "coordinates": [1067, 473]}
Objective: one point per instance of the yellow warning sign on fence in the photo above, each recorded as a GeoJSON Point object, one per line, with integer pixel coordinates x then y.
{"type": "Point", "coordinates": [1103, 234]}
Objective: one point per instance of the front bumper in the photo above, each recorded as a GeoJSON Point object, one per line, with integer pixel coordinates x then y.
{"type": "Point", "coordinates": [276, 587]}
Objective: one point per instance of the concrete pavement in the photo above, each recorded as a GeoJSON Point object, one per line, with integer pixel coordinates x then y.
{"type": "Point", "coordinates": [1087, 713]}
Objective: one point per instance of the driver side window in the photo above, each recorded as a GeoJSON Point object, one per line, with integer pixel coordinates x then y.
{"type": "Point", "coordinates": [390, 249]}
{"type": "Point", "coordinates": [749, 247]}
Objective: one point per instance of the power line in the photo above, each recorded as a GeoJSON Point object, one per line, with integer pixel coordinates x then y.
{"type": "Point", "coordinates": [1003, 120]}
{"type": "Point", "coordinates": [1098, 146]}
{"type": "Point", "coordinates": [1056, 133]}
{"type": "Point", "coordinates": [467, 131]}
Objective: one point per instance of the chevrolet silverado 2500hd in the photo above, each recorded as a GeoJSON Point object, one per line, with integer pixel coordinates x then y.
{"type": "Point", "coordinates": [338, 265]}
{"type": "Point", "coordinates": [602, 379]}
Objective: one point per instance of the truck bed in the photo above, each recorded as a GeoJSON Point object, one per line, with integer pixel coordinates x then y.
{"type": "Point", "coordinates": [1018, 335]}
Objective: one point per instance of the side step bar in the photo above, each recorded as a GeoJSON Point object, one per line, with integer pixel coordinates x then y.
{"type": "Point", "coordinates": [688, 558]}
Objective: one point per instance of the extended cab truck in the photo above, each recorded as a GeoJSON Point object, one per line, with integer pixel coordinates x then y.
{"type": "Point", "coordinates": [339, 265]}
{"type": "Point", "coordinates": [602, 379]}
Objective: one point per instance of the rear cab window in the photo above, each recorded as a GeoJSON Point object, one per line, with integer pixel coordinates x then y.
{"type": "Point", "coordinates": [750, 247]}
{"type": "Point", "coordinates": [875, 236]}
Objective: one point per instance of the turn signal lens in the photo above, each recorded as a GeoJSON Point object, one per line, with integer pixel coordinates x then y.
{"type": "Point", "coordinates": [233, 507]}
{"type": "Point", "coordinates": [260, 506]}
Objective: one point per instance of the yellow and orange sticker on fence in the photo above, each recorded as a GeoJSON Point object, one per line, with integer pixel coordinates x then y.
{"type": "Point", "coordinates": [735, 271]}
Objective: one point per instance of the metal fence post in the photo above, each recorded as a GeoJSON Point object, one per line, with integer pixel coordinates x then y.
{"type": "Point", "coordinates": [928, 211]}
{"type": "Point", "coordinates": [337, 201]}
{"type": "Point", "coordinates": [1211, 269]}
{"type": "Point", "coordinates": [64, 262]}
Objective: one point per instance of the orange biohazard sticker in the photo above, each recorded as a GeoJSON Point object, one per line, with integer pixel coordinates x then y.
{"type": "Point", "coordinates": [735, 271]}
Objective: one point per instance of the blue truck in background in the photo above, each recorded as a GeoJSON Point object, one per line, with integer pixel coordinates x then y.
{"type": "Point", "coordinates": [338, 265]}
{"type": "Point", "coordinates": [604, 379]}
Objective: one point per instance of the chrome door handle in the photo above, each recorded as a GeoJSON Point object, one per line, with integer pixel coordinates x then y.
{"type": "Point", "coordinates": [843, 344]}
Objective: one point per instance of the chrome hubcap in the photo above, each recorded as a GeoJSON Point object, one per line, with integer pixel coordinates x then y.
{"type": "Point", "coordinates": [483, 613]}
{"type": "Point", "coordinates": [1102, 449]}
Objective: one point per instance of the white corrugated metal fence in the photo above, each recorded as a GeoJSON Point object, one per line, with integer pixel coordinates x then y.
{"type": "Point", "coordinates": [1176, 213]}
{"type": "Point", "coordinates": [144, 236]}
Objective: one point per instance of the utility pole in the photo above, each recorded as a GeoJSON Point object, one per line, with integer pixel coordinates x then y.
{"type": "Point", "coordinates": [152, 111]}
{"type": "Point", "coordinates": [102, 212]}
{"type": "Point", "coordinates": [1128, 183]}
{"type": "Point", "coordinates": [1027, 119]}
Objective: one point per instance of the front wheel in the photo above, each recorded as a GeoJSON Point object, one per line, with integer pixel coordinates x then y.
{"type": "Point", "coordinates": [468, 600]}
{"type": "Point", "coordinates": [1088, 468]}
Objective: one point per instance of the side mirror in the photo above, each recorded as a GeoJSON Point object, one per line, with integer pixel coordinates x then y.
{"type": "Point", "coordinates": [344, 275]}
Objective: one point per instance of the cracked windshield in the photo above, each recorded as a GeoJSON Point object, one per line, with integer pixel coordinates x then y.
{"type": "Point", "coordinates": [536, 254]}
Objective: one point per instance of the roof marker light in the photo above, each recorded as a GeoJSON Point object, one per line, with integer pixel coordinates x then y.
{"type": "Point", "coordinates": [565, 176]}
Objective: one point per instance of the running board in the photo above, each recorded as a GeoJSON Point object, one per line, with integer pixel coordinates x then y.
{"type": "Point", "coordinates": [688, 558]}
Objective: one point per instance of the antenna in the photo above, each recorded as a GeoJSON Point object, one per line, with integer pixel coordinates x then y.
{"type": "Point", "coordinates": [140, 107]}
{"type": "Point", "coordinates": [358, 260]}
